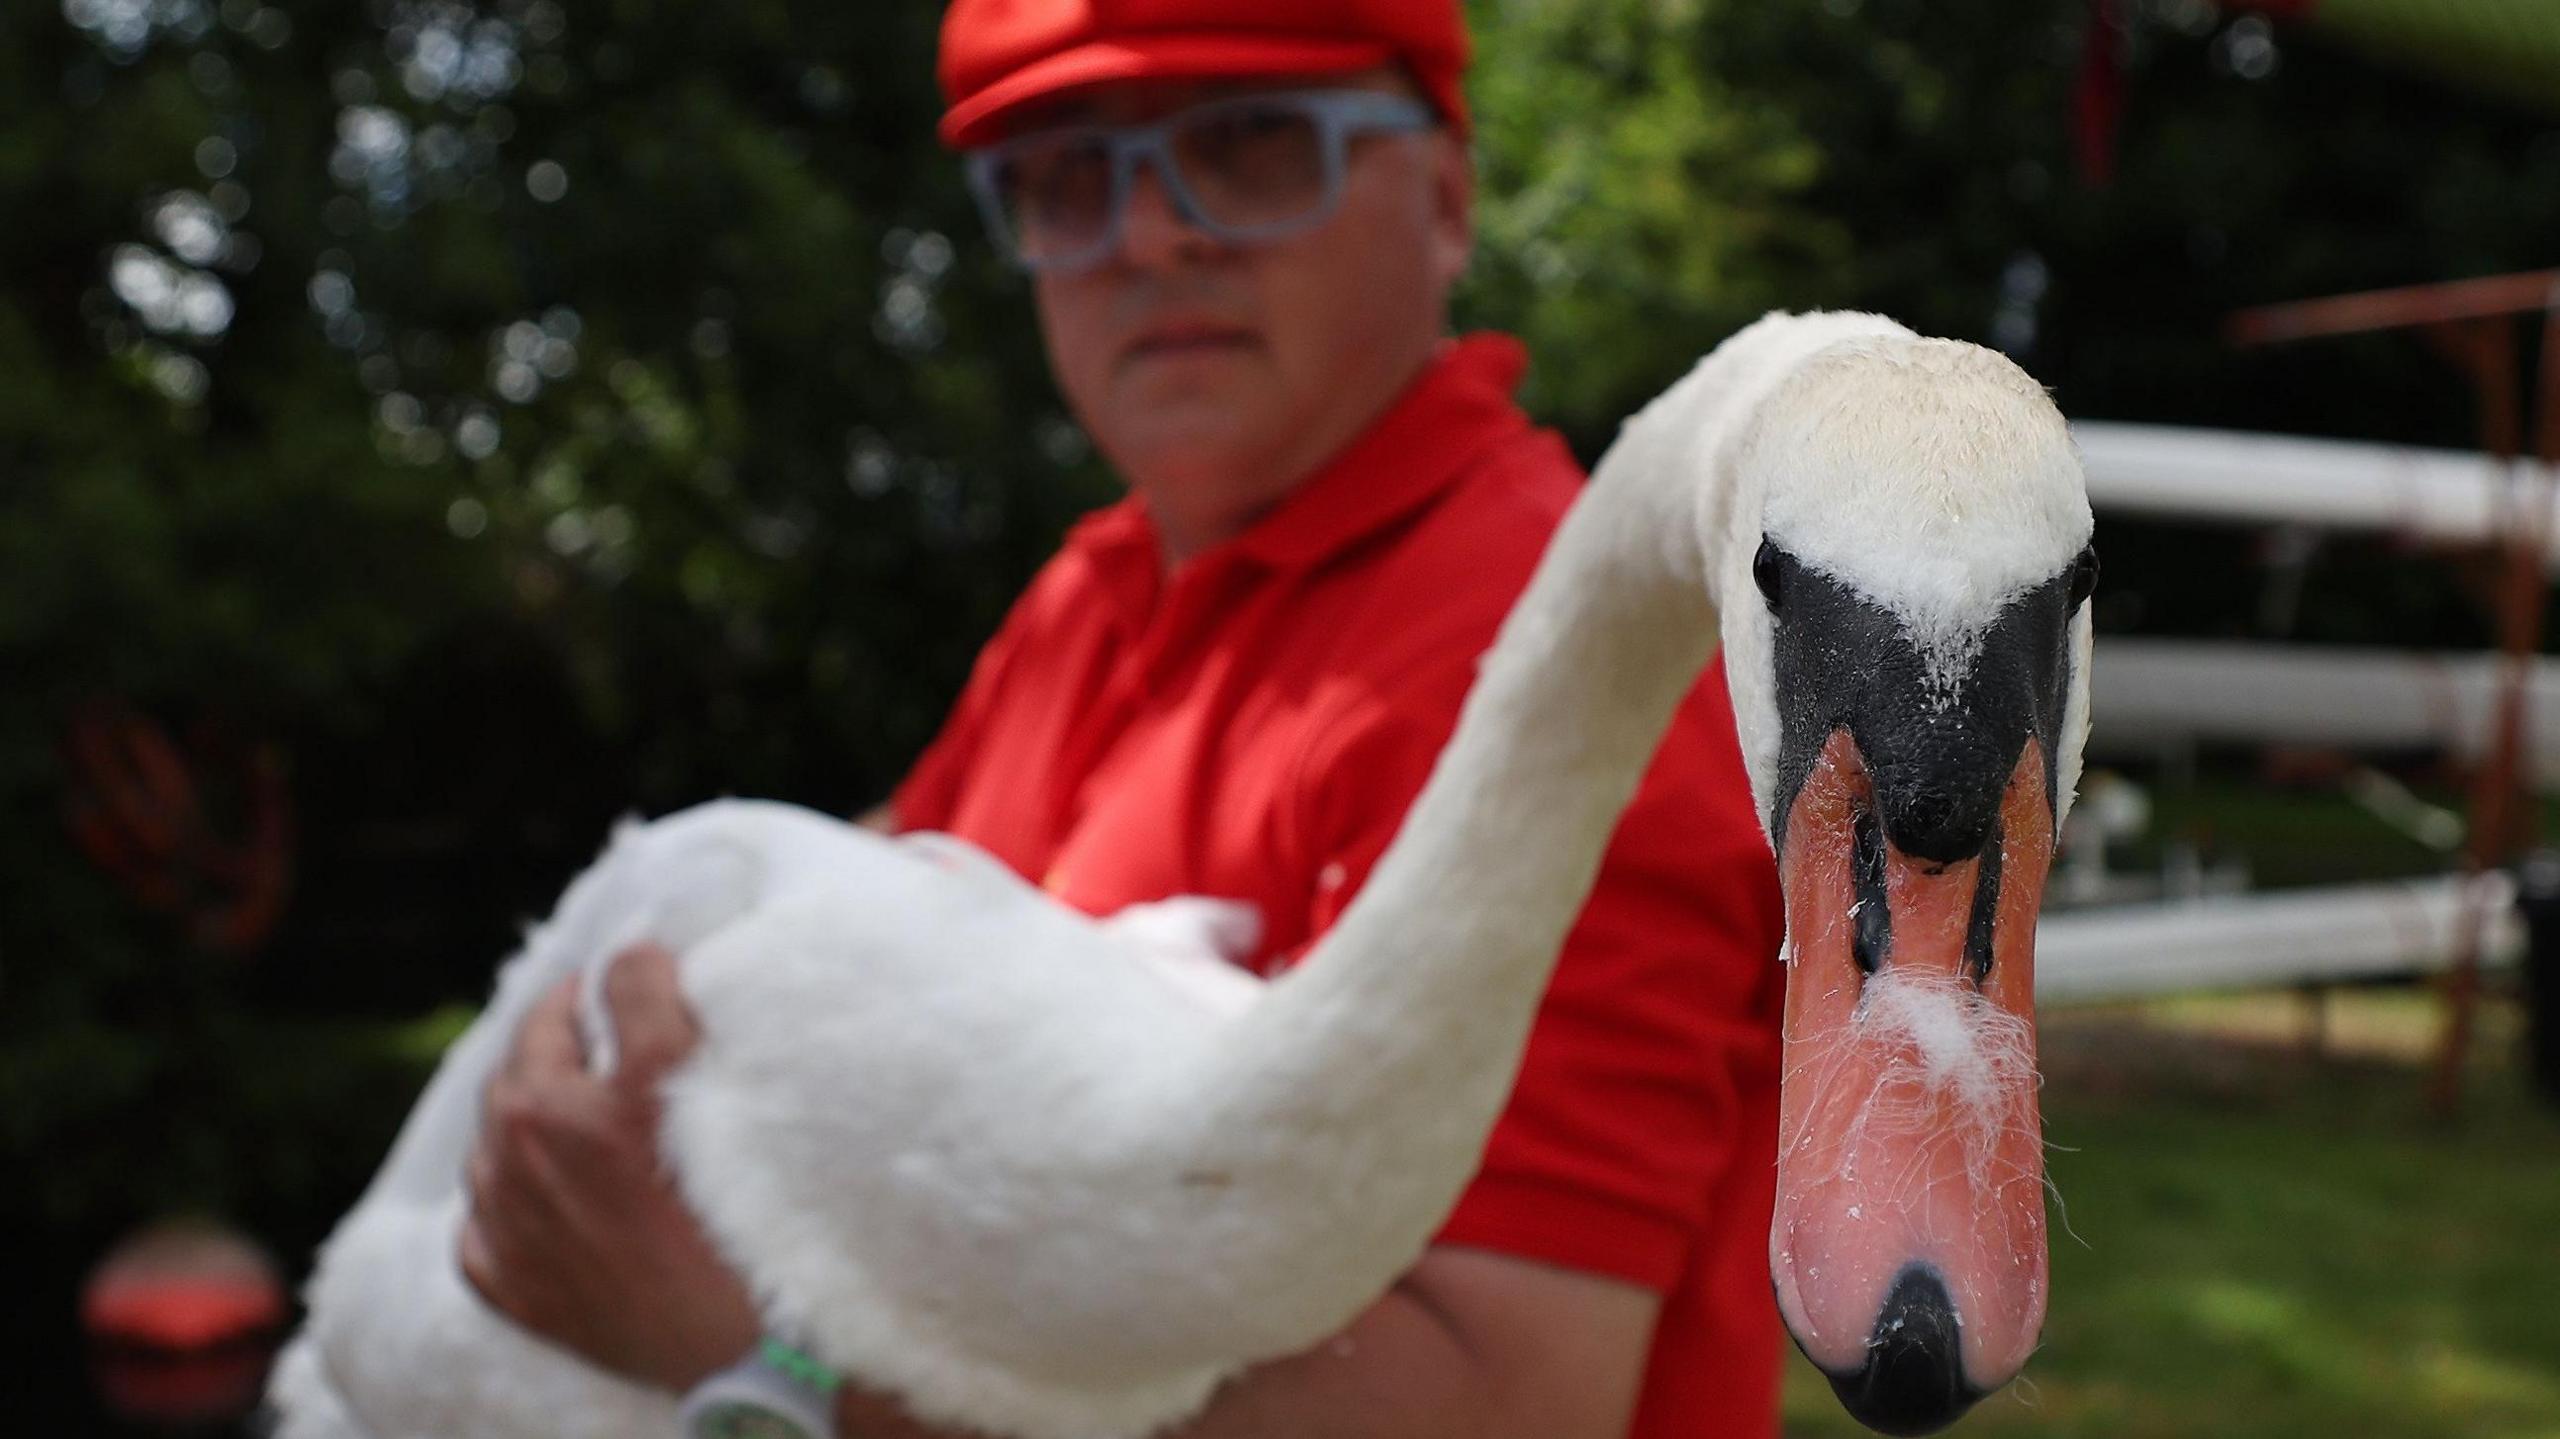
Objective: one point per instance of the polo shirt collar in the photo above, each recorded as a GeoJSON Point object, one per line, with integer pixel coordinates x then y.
{"type": "Point", "coordinates": [1458, 406]}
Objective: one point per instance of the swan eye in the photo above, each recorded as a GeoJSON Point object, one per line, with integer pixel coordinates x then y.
{"type": "Point", "coordinates": [1764, 573]}
{"type": "Point", "coordinates": [2084, 576]}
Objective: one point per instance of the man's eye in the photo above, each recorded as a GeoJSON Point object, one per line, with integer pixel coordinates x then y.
{"type": "Point", "coordinates": [1066, 178]}
{"type": "Point", "coordinates": [1265, 121]}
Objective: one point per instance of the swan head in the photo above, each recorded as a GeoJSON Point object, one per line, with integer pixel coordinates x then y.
{"type": "Point", "coordinates": [1903, 591]}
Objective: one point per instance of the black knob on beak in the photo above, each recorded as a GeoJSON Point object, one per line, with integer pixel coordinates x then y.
{"type": "Point", "coordinates": [1913, 1381]}
{"type": "Point", "coordinates": [1939, 793]}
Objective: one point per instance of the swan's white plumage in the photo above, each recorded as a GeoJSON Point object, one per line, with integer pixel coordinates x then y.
{"type": "Point", "coordinates": [1942, 535]}
{"type": "Point", "coordinates": [769, 906]}
{"type": "Point", "coordinates": [1057, 1178]}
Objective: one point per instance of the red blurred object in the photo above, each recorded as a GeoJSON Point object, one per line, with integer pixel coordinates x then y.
{"type": "Point", "coordinates": [136, 806]}
{"type": "Point", "coordinates": [999, 55]}
{"type": "Point", "coordinates": [2097, 102]}
{"type": "Point", "coordinates": [182, 1321]}
{"type": "Point", "coordinates": [182, 1391]}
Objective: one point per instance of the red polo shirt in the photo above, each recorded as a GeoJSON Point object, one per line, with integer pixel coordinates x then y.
{"type": "Point", "coordinates": [1253, 726]}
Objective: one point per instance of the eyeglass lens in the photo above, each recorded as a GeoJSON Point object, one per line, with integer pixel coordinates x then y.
{"type": "Point", "coordinates": [1057, 196]}
{"type": "Point", "coordinates": [1246, 167]}
{"type": "Point", "coordinates": [1252, 166]}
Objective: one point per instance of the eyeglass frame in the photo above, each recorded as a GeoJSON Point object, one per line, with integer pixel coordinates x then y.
{"type": "Point", "coordinates": [1339, 115]}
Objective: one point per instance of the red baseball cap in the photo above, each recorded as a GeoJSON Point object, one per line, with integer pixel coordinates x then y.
{"type": "Point", "coordinates": [998, 55]}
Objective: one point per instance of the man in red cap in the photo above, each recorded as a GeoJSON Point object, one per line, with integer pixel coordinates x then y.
{"type": "Point", "coordinates": [1243, 219]}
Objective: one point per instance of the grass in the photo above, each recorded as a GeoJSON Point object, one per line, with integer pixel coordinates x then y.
{"type": "Point", "coordinates": [2274, 1243]}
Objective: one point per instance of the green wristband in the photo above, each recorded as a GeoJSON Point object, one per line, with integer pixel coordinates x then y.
{"type": "Point", "coordinates": [776, 1392]}
{"type": "Point", "coordinates": [799, 1366]}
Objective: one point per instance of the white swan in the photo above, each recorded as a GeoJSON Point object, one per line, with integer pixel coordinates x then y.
{"type": "Point", "coordinates": [1047, 1177]}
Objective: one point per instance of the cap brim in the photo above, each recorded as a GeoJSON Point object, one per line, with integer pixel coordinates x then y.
{"type": "Point", "coordinates": [985, 115]}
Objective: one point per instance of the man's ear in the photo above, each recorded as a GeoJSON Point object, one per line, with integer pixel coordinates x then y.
{"type": "Point", "coordinates": [1453, 206]}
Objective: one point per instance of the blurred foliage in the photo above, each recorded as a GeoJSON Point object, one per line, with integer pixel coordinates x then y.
{"type": "Point", "coordinates": [524, 411]}
{"type": "Point", "coordinates": [2511, 45]}
{"type": "Point", "coordinates": [1669, 208]}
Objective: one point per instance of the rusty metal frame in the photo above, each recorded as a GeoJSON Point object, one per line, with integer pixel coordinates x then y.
{"type": "Point", "coordinates": [2474, 323]}
{"type": "Point", "coordinates": [2410, 307]}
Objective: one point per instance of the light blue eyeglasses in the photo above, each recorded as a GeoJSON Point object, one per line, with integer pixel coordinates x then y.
{"type": "Point", "coordinates": [1252, 169]}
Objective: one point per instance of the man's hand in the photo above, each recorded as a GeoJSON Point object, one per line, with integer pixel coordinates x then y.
{"type": "Point", "coordinates": [576, 1231]}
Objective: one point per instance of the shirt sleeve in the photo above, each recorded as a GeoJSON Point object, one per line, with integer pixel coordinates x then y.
{"type": "Point", "coordinates": [1637, 1092]}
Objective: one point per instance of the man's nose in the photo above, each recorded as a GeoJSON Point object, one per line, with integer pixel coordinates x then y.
{"type": "Point", "coordinates": [1154, 231]}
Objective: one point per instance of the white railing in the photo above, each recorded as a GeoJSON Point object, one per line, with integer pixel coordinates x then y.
{"type": "Point", "coordinates": [2235, 477]}
{"type": "Point", "coordinates": [2147, 693]}
{"type": "Point", "coordinates": [2282, 937]}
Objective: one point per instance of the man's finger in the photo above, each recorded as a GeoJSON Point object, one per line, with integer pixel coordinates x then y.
{"type": "Point", "coordinates": [478, 1262]}
{"type": "Point", "coordinates": [480, 1181]}
{"type": "Point", "coordinates": [652, 1023]}
{"type": "Point", "coordinates": [548, 1042]}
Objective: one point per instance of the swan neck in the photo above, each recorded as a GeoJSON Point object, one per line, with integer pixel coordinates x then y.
{"type": "Point", "coordinates": [1467, 909]}
{"type": "Point", "coordinates": [1359, 1089]}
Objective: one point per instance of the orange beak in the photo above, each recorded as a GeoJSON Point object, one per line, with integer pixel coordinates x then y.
{"type": "Point", "coordinates": [1908, 1245]}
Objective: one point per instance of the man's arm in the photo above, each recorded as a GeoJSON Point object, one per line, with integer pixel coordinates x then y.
{"type": "Point", "coordinates": [576, 1234]}
{"type": "Point", "coordinates": [1469, 1345]}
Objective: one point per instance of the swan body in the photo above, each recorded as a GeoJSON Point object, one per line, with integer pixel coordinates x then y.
{"type": "Point", "coordinates": [1055, 1177]}
{"type": "Point", "coordinates": [756, 896]}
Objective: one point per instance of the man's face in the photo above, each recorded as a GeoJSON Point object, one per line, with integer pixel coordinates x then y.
{"type": "Point", "coordinates": [1216, 376]}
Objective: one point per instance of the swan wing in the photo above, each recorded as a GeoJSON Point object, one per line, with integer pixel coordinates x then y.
{"type": "Point", "coordinates": [905, 1045]}
{"type": "Point", "coordinates": [396, 1345]}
